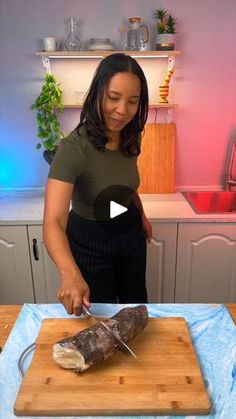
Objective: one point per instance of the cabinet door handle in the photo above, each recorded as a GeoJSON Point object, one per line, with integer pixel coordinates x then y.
{"type": "Point", "coordinates": [35, 249]}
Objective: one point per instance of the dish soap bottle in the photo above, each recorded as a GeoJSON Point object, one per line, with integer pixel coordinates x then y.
{"type": "Point", "coordinates": [72, 42]}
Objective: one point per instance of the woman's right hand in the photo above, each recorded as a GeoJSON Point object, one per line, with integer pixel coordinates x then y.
{"type": "Point", "coordinates": [73, 293]}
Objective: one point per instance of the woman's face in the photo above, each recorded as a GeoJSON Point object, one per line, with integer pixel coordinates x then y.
{"type": "Point", "coordinates": [120, 101]}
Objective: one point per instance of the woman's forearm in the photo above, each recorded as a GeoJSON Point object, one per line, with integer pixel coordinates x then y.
{"type": "Point", "coordinates": [58, 248]}
{"type": "Point", "coordinates": [56, 211]}
{"type": "Point", "coordinates": [73, 291]}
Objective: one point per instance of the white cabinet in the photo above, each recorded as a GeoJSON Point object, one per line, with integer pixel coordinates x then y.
{"type": "Point", "coordinates": [206, 263]}
{"type": "Point", "coordinates": [186, 263]}
{"type": "Point", "coordinates": [16, 285]}
{"type": "Point", "coordinates": [45, 275]}
{"type": "Point", "coordinates": [27, 274]}
{"type": "Point", "coordinates": [161, 259]}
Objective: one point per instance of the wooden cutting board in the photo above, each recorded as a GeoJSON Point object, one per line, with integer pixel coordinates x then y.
{"type": "Point", "coordinates": [156, 162]}
{"type": "Point", "coordinates": [165, 379]}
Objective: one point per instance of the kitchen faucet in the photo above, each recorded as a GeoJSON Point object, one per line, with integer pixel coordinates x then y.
{"type": "Point", "coordinates": [230, 179]}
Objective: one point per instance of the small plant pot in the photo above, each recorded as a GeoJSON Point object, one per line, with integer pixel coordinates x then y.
{"type": "Point", "coordinates": [48, 156]}
{"type": "Point", "coordinates": [165, 42]}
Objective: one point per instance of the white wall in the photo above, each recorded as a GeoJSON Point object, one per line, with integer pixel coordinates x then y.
{"type": "Point", "coordinates": [205, 79]}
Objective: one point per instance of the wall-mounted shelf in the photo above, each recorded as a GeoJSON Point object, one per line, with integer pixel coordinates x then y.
{"type": "Point", "coordinates": [151, 105]}
{"type": "Point", "coordinates": [101, 54]}
{"type": "Point", "coordinates": [46, 56]}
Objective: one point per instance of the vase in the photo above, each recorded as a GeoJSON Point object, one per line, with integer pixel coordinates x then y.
{"type": "Point", "coordinates": [72, 42]}
{"type": "Point", "coordinates": [48, 156]}
{"type": "Point", "coordinates": [163, 93]}
{"type": "Point", "coordinates": [165, 42]}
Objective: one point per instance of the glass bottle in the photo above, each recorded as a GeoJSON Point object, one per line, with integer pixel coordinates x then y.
{"type": "Point", "coordinates": [72, 42]}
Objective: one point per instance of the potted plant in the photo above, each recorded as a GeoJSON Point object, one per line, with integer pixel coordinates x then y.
{"type": "Point", "coordinates": [166, 29]}
{"type": "Point", "coordinates": [49, 106]}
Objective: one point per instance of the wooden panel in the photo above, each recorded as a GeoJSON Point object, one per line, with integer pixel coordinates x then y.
{"type": "Point", "coordinates": [8, 316]}
{"type": "Point", "coordinates": [157, 159]}
{"type": "Point", "coordinates": [165, 379]}
{"type": "Point", "coordinates": [232, 311]}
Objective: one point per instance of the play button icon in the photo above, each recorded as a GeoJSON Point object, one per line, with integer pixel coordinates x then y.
{"type": "Point", "coordinates": [113, 209]}
{"type": "Point", "coordinates": [116, 209]}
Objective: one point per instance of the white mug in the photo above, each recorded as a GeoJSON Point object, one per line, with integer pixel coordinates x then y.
{"type": "Point", "coordinates": [79, 97]}
{"type": "Point", "coordinates": [50, 43]}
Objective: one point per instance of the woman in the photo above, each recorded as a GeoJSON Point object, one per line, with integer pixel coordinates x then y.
{"type": "Point", "coordinates": [101, 258]}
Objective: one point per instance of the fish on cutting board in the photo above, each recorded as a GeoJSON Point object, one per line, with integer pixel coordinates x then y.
{"type": "Point", "coordinates": [95, 344]}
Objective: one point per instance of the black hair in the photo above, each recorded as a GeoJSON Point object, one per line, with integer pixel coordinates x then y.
{"type": "Point", "coordinates": [92, 112]}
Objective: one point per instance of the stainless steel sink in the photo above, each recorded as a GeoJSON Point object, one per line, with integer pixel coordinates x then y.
{"type": "Point", "coordinates": [211, 202]}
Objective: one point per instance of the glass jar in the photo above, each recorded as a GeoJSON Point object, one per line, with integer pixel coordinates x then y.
{"type": "Point", "coordinates": [136, 35]}
{"type": "Point", "coordinates": [72, 42]}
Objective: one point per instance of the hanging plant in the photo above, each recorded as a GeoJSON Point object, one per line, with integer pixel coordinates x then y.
{"type": "Point", "coordinates": [49, 106]}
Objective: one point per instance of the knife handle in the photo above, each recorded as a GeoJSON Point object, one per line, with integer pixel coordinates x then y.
{"type": "Point", "coordinates": [86, 311]}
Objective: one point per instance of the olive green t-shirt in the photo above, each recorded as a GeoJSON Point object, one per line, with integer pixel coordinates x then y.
{"type": "Point", "coordinates": [77, 161]}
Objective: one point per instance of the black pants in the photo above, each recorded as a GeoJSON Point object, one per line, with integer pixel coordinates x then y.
{"type": "Point", "coordinates": [111, 256]}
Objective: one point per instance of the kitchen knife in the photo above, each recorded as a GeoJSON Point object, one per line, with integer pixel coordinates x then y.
{"type": "Point", "coordinates": [115, 335]}
{"type": "Point", "coordinates": [89, 314]}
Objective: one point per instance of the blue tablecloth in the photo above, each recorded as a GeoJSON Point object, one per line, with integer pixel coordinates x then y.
{"type": "Point", "coordinates": [212, 330]}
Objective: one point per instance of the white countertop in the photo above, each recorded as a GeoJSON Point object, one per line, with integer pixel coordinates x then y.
{"type": "Point", "coordinates": [26, 207]}
{"type": "Point", "coordinates": [21, 207]}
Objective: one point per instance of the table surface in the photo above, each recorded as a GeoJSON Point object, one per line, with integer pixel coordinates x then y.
{"type": "Point", "coordinates": [212, 331]}
{"type": "Point", "coordinates": [9, 314]}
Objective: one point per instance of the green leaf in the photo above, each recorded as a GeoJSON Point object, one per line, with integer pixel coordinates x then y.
{"type": "Point", "coordinates": [160, 14]}
{"type": "Point", "coordinates": [48, 106]}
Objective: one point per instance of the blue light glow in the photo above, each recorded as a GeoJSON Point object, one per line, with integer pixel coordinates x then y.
{"type": "Point", "coordinates": [16, 167]}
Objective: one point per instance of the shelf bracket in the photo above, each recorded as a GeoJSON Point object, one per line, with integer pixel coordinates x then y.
{"type": "Point", "coordinates": [169, 115]}
{"type": "Point", "coordinates": [46, 64]}
{"type": "Point", "coordinates": [171, 62]}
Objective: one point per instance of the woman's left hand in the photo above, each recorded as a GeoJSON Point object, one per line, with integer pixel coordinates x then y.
{"type": "Point", "coordinates": [147, 228]}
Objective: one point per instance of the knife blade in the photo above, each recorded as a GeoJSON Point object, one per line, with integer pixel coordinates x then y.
{"type": "Point", "coordinates": [88, 313]}
{"type": "Point", "coordinates": [115, 335]}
